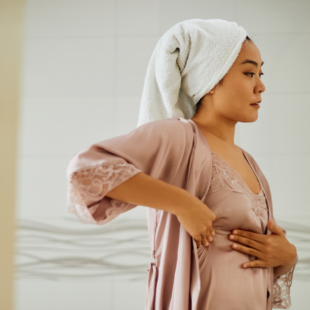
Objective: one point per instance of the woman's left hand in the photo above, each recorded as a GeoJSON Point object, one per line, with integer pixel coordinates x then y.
{"type": "Point", "coordinates": [271, 250]}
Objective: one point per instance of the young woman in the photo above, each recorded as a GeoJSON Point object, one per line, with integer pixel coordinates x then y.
{"type": "Point", "coordinates": [204, 194]}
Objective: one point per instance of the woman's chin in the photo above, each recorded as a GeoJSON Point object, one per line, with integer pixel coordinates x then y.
{"type": "Point", "coordinates": [249, 118]}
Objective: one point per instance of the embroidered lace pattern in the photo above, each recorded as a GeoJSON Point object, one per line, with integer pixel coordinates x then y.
{"type": "Point", "coordinates": [223, 172]}
{"type": "Point", "coordinates": [88, 186]}
{"type": "Point", "coordinates": [281, 289]}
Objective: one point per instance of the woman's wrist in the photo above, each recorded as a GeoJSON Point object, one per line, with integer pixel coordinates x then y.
{"type": "Point", "coordinates": [293, 256]}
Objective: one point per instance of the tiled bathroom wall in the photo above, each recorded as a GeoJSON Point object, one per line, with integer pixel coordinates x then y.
{"type": "Point", "coordinates": [84, 64]}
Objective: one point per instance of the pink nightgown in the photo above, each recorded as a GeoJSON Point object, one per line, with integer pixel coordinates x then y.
{"type": "Point", "coordinates": [175, 151]}
{"type": "Point", "coordinates": [225, 284]}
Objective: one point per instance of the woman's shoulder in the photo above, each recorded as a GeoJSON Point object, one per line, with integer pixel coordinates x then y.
{"type": "Point", "coordinates": [254, 163]}
{"type": "Point", "coordinates": [250, 158]}
{"type": "Point", "coordinates": [248, 155]}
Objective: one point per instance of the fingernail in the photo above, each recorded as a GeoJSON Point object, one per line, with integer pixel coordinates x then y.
{"type": "Point", "coordinates": [213, 233]}
{"type": "Point", "coordinates": [210, 239]}
{"type": "Point", "coordinates": [207, 243]}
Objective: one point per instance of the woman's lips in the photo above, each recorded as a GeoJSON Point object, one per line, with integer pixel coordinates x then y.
{"type": "Point", "coordinates": [255, 105]}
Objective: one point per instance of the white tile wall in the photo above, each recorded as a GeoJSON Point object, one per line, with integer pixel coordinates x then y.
{"type": "Point", "coordinates": [84, 64]}
{"type": "Point", "coordinates": [276, 16]}
{"type": "Point", "coordinates": [42, 186]}
{"type": "Point", "coordinates": [126, 113]}
{"type": "Point", "coordinates": [130, 15]}
{"type": "Point", "coordinates": [289, 183]}
{"type": "Point", "coordinates": [286, 57]}
{"type": "Point", "coordinates": [77, 122]}
{"type": "Point", "coordinates": [281, 127]}
{"type": "Point", "coordinates": [174, 11]}
{"type": "Point", "coordinates": [63, 19]}
{"type": "Point", "coordinates": [69, 67]}
{"type": "Point", "coordinates": [131, 60]}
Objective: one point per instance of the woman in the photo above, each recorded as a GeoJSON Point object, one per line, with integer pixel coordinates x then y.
{"type": "Point", "coordinates": [197, 184]}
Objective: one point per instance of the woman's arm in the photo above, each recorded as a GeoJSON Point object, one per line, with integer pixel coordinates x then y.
{"type": "Point", "coordinates": [144, 190]}
{"type": "Point", "coordinates": [159, 149]}
{"type": "Point", "coordinates": [281, 270]}
{"type": "Point", "coordinates": [192, 213]}
{"type": "Point", "coordinates": [105, 179]}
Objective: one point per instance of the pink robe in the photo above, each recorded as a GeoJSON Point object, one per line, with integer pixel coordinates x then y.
{"type": "Point", "coordinates": [175, 151]}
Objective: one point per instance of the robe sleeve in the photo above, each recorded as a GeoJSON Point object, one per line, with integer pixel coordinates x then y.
{"type": "Point", "coordinates": [281, 287]}
{"type": "Point", "coordinates": [155, 148]}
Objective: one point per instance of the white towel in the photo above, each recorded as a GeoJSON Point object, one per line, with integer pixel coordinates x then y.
{"type": "Point", "coordinates": [188, 61]}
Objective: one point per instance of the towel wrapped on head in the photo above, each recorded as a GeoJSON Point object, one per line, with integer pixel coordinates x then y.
{"type": "Point", "coordinates": [188, 61]}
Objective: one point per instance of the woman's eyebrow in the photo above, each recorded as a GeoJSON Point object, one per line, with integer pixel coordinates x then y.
{"type": "Point", "coordinates": [251, 62]}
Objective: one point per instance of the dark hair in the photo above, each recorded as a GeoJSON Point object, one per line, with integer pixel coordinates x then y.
{"type": "Point", "coordinates": [221, 81]}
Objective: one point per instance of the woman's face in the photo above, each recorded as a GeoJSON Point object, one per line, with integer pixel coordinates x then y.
{"type": "Point", "coordinates": [242, 85]}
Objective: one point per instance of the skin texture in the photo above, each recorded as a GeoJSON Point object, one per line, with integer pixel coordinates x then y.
{"type": "Point", "coordinates": [217, 116]}
{"type": "Point", "coordinates": [229, 103]}
{"type": "Point", "coordinates": [272, 251]}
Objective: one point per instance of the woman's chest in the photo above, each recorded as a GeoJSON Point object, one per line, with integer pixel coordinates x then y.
{"type": "Point", "coordinates": [237, 162]}
{"type": "Point", "coordinates": [233, 202]}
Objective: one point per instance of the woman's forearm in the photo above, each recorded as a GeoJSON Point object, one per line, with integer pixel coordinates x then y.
{"type": "Point", "coordinates": [144, 190]}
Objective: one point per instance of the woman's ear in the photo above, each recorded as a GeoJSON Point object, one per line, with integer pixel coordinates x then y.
{"type": "Point", "coordinates": [212, 91]}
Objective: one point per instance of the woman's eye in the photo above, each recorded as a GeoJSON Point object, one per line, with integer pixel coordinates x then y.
{"type": "Point", "coordinates": [254, 73]}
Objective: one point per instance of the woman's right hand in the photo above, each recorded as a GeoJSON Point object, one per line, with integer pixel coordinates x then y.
{"type": "Point", "coordinates": [197, 219]}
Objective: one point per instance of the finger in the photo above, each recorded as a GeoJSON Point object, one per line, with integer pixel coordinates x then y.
{"type": "Point", "coordinates": [250, 235]}
{"type": "Point", "coordinates": [212, 231]}
{"type": "Point", "coordinates": [206, 236]}
{"type": "Point", "coordinates": [249, 242]}
{"type": "Point", "coordinates": [198, 242]}
{"type": "Point", "coordinates": [274, 228]}
{"type": "Point", "coordinates": [255, 263]}
{"type": "Point", "coordinates": [246, 250]}
{"type": "Point", "coordinates": [204, 240]}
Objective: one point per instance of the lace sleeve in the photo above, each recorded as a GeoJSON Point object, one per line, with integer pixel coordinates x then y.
{"type": "Point", "coordinates": [281, 289]}
{"type": "Point", "coordinates": [87, 188]}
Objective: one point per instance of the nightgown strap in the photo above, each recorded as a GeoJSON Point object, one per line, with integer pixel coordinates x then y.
{"type": "Point", "coordinates": [222, 173]}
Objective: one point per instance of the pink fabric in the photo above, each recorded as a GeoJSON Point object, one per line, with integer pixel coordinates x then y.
{"type": "Point", "coordinates": [88, 186]}
{"type": "Point", "coordinates": [175, 151]}
{"type": "Point", "coordinates": [224, 283]}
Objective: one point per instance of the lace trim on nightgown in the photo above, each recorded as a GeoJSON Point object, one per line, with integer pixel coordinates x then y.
{"type": "Point", "coordinates": [88, 186]}
{"type": "Point", "coordinates": [222, 171]}
{"type": "Point", "coordinates": [281, 289]}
